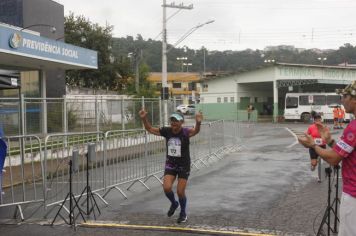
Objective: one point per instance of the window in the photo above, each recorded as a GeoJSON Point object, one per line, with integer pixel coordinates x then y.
{"type": "Point", "coordinates": [219, 99]}
{"type": "Point", "coordinates": [292, 102]}
{"type": "Point", "coordinates": [333, 99]}
{"type": "Point", "coordinates": [226, 99]}
{"type": "Point", "coordinates": [319, 100]}
{"type": "Point", "coordinates": [205, 87]}
{"type": "Point", "coordinates": [192, 86]}
{"type": "Point", "coordinates": [177, 85]}
{"type": "Point", "coordinates": [304, 100]}
{"type": "Point", "coordinates": [232, 99]}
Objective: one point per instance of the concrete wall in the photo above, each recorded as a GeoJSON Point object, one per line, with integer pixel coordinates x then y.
{"type": "Point", "coordinates": [11, 12]}
{"type": "Point", "coordinates": [219, 88]}
{"type": "Point", "coordinates": [51, 13]}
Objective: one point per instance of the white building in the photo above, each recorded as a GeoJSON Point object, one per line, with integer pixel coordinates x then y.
{"type": "Point", "coordinates": [265, 88]}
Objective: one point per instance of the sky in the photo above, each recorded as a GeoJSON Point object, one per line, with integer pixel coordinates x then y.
{"type": "Point", "coordinates": [238, 24]}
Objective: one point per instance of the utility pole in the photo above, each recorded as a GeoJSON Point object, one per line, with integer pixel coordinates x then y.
{"type": "Point", "coordinates": [138, 56]}
{"type": "Point", "coordinates": [204, 63]}
{"type": "Point", "coordinates": [164, 91]}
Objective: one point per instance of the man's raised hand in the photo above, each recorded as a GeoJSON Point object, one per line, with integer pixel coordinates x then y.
{"type": "Point", "coordinates": [199, 117]}
{"type": "Point", "coordinates": [142, 113]}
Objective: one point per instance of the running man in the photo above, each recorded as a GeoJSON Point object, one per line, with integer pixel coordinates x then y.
{"type": "Point", "coordinates": [177, 158]}
{"type": "Point", "coordinates": [318, 140]}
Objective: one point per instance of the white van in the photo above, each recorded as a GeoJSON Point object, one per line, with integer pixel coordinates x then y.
{"type": "Point", "coordinates": [298, 106]}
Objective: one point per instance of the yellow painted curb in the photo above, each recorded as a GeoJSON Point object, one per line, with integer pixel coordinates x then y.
{"type": "Point", "coordinates": [170, 228]}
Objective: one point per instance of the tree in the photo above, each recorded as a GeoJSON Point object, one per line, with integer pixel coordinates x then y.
{"type": "Point", "coordinates": [81, 32]}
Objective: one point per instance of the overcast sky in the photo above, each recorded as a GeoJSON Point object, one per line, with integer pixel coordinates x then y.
{"type": "Point", "coordinates": [239, 24]}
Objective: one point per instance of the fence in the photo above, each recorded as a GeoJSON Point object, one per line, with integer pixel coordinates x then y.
{"type": "Point", "coordinates": [38, 116]}
{"type": "Point", "coordinates": [22, 177]}
{"type": "Point", "coordinates": [37, 171]}
{"type": "Point", "coordinates": [227, 111]}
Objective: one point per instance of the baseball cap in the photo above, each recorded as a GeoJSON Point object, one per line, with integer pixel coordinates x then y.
{"type": "Point", "coordinates": [177, 116]}
{"type": "Point", "coordinates": [348, 90]}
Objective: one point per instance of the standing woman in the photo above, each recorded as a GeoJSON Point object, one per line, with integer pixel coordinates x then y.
{"type": "Point", "coordinates": [177, 158]}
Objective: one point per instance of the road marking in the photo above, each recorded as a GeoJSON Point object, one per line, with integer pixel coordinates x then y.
{"type": "Point", "coordinates": [294, 133]}
{"type": "Point", "coordinates": [171, 228]}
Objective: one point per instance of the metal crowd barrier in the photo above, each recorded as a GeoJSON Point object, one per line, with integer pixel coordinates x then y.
{"type": "Point", "coordinates": [132, 156]}
{"type": "Point", "coordinates": [123, 158]}
{"type": "Point", "coordinates": [22, 179]}
{"type": "Point", "coordinates": [58, 149]}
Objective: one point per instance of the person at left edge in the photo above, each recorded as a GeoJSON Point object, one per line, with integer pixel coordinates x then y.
{"type": "Point", "coordinates": [177, 157]}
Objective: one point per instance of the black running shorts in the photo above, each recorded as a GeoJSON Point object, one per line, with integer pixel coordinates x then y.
{"type": "Point", "coordinates": [313, 154]}
{"type": "Point", "coordinates": [182, 171]}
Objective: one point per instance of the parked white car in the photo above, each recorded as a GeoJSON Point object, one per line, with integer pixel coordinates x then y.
{"type": "Point", "coordinates": [183, 108]}
{"type": "Point", "coordinates": [186, 109]}
{"type": "Point", "coordinates": [191, 109]}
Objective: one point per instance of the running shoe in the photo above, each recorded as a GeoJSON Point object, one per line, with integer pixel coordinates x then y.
{"type": "Point", "coordinates": [182, 218]}
{"type": "Point", "coordinates": [172, 209]}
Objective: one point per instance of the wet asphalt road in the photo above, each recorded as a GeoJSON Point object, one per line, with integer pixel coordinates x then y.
{"type": "Point", "coordinates": [263, 188]}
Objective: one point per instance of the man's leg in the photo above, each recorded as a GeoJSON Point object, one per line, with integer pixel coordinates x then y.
{"type": "Point", "coordinates": [182, 184]}
{"type": "Point", "coordinates": [347, 215]}
{"type": "Point", "coordinates": [168, 181]}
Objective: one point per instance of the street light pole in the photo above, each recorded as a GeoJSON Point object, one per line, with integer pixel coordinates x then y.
{"type": "Point", "coordinates": [164, 91]}
{"type": "Point", "coordinates": [187, 64]}
{"type": "Point", "coordinates": [322, 59]}
{"type": "Point", "coordinates": [204, 64]}
{"type": "Point", "coordinates": [182, 59]}
{"type": "Point", "coordinates": [189, 32]}
{"type": "Point", "coordinates": [52, 28]}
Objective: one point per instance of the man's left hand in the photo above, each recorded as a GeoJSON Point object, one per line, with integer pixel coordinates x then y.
{"type": "Point", "coordinates": [199, 117]}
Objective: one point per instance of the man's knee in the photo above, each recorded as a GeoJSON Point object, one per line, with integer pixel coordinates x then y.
{"type": "Point", "coordinates": [181, 193]}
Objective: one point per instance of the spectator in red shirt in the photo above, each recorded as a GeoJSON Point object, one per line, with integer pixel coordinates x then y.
{"type": "Point", "coordinates": [342, 150]}
{"type": "Point", "coordinates": [313, 131]}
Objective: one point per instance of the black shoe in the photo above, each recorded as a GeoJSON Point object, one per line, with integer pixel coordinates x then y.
{"type": "Point", "coordinates": [172, 209]}
{"type": "Point", "coordinates": [182, 218]}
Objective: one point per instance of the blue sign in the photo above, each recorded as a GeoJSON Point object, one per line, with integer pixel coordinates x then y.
{"type": "Point", "coordinates": [1, 130]}
{"type": "Point", "coordinates": [34, 46]}
{"type": "Point", "coordinates": [3, 150]}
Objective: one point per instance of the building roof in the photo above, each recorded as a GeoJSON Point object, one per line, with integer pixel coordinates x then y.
{"type": "Point", "coordinates": [317, 66]}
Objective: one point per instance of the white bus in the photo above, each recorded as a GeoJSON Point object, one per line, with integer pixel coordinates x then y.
{"type": "Point", "coordinates": [298, 106]}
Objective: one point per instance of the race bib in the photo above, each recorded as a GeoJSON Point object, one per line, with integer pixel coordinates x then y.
{"type": "Point", "coordinates": [174, 147]}
{"type": "Point", "coordinates": [318, 141]}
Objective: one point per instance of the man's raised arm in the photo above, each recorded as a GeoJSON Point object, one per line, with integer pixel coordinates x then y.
{"type": "Point", "coordinates": [146, 123]}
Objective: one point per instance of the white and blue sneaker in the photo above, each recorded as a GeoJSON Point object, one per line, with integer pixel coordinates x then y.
{"type": "Point", "coordinates": [182, 218]}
